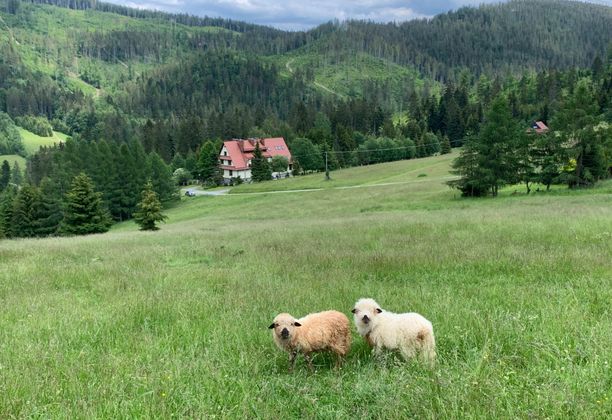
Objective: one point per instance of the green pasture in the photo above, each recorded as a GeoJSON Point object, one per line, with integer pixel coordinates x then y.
{"type": "Point", "coordinates": [174, 323]}
{"type": "Point", "coordinates": [33, 142]}
{"type": "Point", "coordinates": [12, 159]}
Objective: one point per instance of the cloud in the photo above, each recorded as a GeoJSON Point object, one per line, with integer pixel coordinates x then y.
{"type": "Point", "coordinates": [305, 14]}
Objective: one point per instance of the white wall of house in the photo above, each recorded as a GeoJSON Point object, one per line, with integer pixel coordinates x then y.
{"type": "Point", "coordinates": [245, 174]}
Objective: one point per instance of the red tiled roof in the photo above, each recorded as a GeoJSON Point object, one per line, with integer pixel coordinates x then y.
{"type": "Point", "coordinates": [241, 151]}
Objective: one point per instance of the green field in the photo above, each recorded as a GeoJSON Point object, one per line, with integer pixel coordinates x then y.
{"type": "Point", "coordinates": [33, 142]}
{"type": "Point", "coordinates": [12, 159]}
{"type": "Point", "coordinates": [174, 323]}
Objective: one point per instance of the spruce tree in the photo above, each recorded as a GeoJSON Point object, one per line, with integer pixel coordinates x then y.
{"type": "Point", "coordinates": [16, 174]}
{"type": "Point", "coordinates": [84, 212]}
{"type": "Point", "coordinates": [260, 167]}
{"type": "Point", "coordinates": [24, 221]}
{"type": "Point", "coordinates": [576, 121]}
{"type": "Point", "coordinates": [50, 213]}
{"type": "Point", "coordinates": [208, 164]}
{"type": "Point", "coordinates": [160, 175]}
{"type": "Point", "coordinates": [5, 175]}
{"type": "Point", "coordinates": [149, 209]}
{"type": "Point", "coordinates": [489, 160]}
{"type": "Point", "coordinates": [7, 203]}
{"type": "Point", "coordinates": [445, 146]}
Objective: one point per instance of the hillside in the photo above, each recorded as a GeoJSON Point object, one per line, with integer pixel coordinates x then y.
{"type": "Point", "coordinates": [174, 323]}
{"type": "Point", "coordinates": [102, 48]}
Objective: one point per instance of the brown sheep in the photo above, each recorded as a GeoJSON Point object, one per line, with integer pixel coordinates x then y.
{"type": "Point", "coordinates": [322, 331]}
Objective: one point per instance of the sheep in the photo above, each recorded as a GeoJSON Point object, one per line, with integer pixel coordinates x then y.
{"type": "Point", "coordinates": [409, 333]}
{"type": "Point", "coordinates": [328, 330]}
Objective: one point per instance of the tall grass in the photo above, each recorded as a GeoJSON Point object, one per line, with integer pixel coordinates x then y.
{"type": "Point", "coordinates": [174, 323]}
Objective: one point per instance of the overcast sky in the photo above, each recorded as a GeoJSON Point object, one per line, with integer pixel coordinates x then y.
{"type": "Point", "coordinates": [304, 14]}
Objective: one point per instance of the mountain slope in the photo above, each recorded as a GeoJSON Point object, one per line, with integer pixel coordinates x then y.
{"type": "Point", "coordinates": [101, 70]}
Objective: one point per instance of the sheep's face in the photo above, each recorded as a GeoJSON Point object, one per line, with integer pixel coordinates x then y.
{"type": "Point", "coordinates": [364, 312]}
{"type": "Point", "coordinates": [284, 326]}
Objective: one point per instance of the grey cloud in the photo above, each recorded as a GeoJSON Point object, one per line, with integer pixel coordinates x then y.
{"type": "Point", "coordinates": [305, 14]}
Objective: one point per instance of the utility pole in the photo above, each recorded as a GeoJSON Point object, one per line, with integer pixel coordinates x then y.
{"type": "Point", "coordinates": [327, 178]}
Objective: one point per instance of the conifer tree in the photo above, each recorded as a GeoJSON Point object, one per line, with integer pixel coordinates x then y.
{"type": "Point", "coordinates": [84, 212]}
{"type": "Point", "coordinates": [575, 122]}
{"type": "Point", "coordinates": [25, 218]}
{"type": "Point", "coordinates": [16, 175]}
{"type": "Point", "coordinates": [160, 175]}
{"type": "Point", "coordinates": [208, 164]}
{"type": "Point", "coordinates": [7, 203]}
{"type": "Point", "coordinates": [445, 146]}
{"type": "Point", "coordinates": [260, 167]}
{"type": "Point", "coordinates": [489, 160]}
{"type": "Point", "coordinates": [178, 161]}
{"type": "Point", "coordinates": [5, 175]}
{"type": "Point", "coordinates": [50, 213]}
{"type": "Point", "coordinates": [149, 209]}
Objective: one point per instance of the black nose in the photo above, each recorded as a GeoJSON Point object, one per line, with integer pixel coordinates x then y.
{"type": "Point", "coordinates": [285, 333]}
{"type": "Point", "coordinates": [365, 319]}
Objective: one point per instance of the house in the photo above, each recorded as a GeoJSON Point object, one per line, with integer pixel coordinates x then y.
{"type": "Point", "coordinates": [235, 156]}
{"type": "Point", "coordinates": [539, 127]}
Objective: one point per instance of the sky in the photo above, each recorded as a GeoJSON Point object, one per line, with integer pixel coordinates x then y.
{"type": "Point", "coordinates": [305, 14]}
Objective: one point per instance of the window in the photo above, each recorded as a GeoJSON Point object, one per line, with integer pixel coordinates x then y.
{"type": "Point", "coordinates": [279, 148]}
{"type": "Point", "coordinates": [231, 172]}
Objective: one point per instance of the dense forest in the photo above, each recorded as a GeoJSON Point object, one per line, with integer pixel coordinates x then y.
{"type": "Point", "coordinates": [140, 92]}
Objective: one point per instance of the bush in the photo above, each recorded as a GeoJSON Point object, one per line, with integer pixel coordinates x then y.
{"type": "Point", "coordinates": [10, 139]}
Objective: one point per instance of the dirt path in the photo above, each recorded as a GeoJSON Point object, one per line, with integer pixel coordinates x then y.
{"type": "Point", "coordinates": [226, 192]}
{"type": "Point", "coordinates": [317, 84]}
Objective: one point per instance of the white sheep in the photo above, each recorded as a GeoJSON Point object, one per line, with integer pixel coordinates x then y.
{"type": "Point", "coordinates": [328, 330]}
{"type": "Point", "coordinates": [410, 333]}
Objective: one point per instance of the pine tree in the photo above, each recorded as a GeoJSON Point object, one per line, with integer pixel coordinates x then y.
{"type": "Point", "coordinates": [575, 122]}
{"type": "Point", "coordinates": [445, 146]}
{"type": "Point", "coordinates": [50, 213]}
{"type": "Point", "coordinates": [208, 168]}
{"type": "Point", "coordinates": [16, 174]}
{"type": "Point", "coordinates": [5, 175]}
{"type": "Point", "coordinates": [149, 209]}
{"type": "Point", "coordinates": [260, 167]}
{"type": "Point", "coordinates": [84, 212]}
{"type": "Point", "coordinates": [7, 203]}
{"type": "Point", "coordinates": [489, 160]}
{"type": "Point", "coordinates": [25, 218]}
{"type": "Point", "coordinates": [160, 175]}
{"type": "Point", "coordinates": [178, 161]}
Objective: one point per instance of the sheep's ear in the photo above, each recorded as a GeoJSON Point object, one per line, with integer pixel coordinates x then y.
{"type": "Point", "coordinates": [378, 310]}
{"type": "Point", "coordinates": [271, 326]}
{"type": "Point", "coordinates": [354, 311]}
{"type": "Point", "coordinates": [297, 324]}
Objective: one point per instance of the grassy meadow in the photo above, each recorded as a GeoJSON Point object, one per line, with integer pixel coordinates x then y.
{"type": "Point", "coordinates": [11, 159]}
{"type": "Point", "coordinates": [174, 323]}
{"type": "Point", "coordinates": [32, 142]}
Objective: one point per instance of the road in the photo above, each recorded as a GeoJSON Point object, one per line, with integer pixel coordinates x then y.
{"type": "Point", "coordinates": [225, 192]}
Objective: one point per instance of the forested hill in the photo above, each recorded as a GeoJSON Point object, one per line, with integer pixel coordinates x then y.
{"type": "Point", "coordinates": [492, 38]}
{"type": "Point", "coordinates": [99, 70]}
{"type": "Point", "coordinates": [509, 36]}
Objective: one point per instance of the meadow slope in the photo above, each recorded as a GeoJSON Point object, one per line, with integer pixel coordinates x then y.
{"type": "Point", "coordinates": [174, 323]}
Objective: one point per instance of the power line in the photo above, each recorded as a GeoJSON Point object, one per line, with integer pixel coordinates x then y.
{"type": "Point", "coordinates": [364, 150]}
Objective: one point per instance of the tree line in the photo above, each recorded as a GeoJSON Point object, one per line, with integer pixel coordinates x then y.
{"type": "Point", "coordinates": [577, 151]}
{"type": "Point", "coordinates": [116, 174]}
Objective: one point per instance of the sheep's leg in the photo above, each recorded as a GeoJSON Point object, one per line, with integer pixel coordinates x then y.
{"type": "Point", "coordinates": [309, 360]}
{"type": "Point", "coordinates": [377, 351]}
{"type": "Point", "coordinates": [339, 361]}
{"type": "Point", "coordinates": [292, 357]}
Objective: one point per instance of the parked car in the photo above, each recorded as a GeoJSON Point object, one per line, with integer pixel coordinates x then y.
{"type": "Point", "coordinates": [190, 193]}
